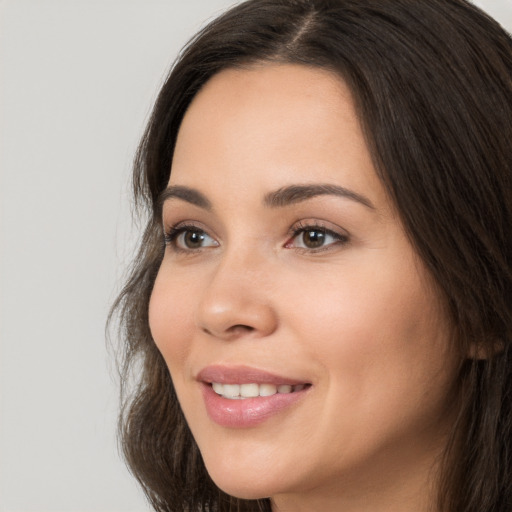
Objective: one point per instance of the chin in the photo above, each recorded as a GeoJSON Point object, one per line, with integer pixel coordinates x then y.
{"type": "Point", "coordinates": [247, 485]}
{"type": "Point", "coordinates": [243, 488]}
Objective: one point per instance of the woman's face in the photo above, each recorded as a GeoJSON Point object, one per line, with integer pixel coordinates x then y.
{"type": "Point", "coordinates": [288, 279]}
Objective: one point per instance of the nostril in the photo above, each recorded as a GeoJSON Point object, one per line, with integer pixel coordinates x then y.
{"type": "Point", "coordinates": [240, 329]}
{"type": "Point", "coordinates": [207, 331]}
{"type": "Point", "coordinates": [231, 332]}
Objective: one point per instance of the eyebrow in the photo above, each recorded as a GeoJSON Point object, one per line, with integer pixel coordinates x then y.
{"type": "Point", "coordinates": [280, 198]}
{"type": "Point", "coordinates": [190, 195]}
{"type": "Point", "coordinates": [297, 193]}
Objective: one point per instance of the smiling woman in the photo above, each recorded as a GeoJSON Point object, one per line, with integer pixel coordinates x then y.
{"type": "Point", "coordinates": [263, 274]}
{"type": "Point", "coordinates": [322, 296]}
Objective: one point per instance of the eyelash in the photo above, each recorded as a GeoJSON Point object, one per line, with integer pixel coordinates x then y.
{"type": "Point", "coordinates": [315, 226]}
{"type": "Point", "coordinates": [171, 235]}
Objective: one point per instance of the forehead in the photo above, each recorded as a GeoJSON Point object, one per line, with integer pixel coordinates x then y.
{"type": "Point", "coordinates": [273, 123]}
{"type": "Point", "coordinates": [284, 98]}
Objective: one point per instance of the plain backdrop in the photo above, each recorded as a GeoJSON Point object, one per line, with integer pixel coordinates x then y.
{"type": "Point", "coordinates": [77, 82]}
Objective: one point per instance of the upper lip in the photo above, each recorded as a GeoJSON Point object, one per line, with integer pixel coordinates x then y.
{"type": "Point", "coordinates": [242, 375]}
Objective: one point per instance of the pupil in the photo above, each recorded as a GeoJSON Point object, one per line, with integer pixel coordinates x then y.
{"type": "Point", "coordinates": [314, 239]}
{"type": "Point", "coordinates": [193, 239]}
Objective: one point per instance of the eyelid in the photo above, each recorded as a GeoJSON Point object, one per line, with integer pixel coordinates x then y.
{"type": "Point", "coordinates": [340, 235]}
{"type": "Point", "coordinates": [169, 226]}
{"type": "Point", "coordinates": [172, 232]}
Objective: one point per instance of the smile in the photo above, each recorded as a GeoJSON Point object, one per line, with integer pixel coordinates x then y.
{"type": "Point", "coordinates": [253, 390]}
{"type": "Point", "coordinates": [245, 397]}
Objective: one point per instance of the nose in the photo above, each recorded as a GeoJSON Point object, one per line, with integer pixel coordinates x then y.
{"type": "Point", "coordinates": [237, 300]}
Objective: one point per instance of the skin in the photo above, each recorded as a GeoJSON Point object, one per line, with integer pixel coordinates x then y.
{"type": "Point", "coordinates": [358, 318]}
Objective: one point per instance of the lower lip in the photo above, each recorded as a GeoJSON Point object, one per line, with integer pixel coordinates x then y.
{"type": "Point", "coordinates": [247, 412]}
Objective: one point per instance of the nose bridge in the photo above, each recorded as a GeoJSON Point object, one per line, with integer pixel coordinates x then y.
{"type": "Point", "coordinates": [236, 300]}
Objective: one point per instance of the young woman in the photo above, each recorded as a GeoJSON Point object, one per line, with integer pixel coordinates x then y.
{"type": "Point", "coordinates": [319, 317]}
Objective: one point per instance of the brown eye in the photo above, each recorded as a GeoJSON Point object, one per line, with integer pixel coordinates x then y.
{"type": "Point", "coordinates": [189, 239]}
{"type": "Point", "coordinates": [313, 238]}
{"type": "Point", "coordinates": [192, 239]}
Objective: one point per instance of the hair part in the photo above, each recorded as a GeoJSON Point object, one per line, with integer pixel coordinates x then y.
{"type": "Point", "coordinates": [432, 84]}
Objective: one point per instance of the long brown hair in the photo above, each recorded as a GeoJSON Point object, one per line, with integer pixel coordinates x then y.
{"type": "Point", "coordinates": [432, 82]}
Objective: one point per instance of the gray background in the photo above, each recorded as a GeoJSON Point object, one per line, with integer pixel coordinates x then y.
{"type": "Point", "coordinates": [77, 81]}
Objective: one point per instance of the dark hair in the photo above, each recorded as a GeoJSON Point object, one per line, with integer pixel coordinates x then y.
{"type": "Point", "coordinates": [432, 84]}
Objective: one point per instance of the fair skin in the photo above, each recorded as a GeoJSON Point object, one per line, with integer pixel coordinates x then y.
{"type": "Point", "coordinates": [320, 288]}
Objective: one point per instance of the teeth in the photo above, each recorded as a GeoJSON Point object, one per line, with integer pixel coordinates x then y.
{"type": "Point", "coordinates": [267, 389]}
{"type": "Point", "coordinates": [249, 390]}
{"type": "Point", "coordinates": [231, 390]}
{"type": "Point", "coordinates": [252, 390]}
{"type": "Point", "coordinates": [218, 388]}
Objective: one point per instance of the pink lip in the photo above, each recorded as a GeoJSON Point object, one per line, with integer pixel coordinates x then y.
{"type": "Point", "coordinates": [247, 412]}
{"type": "Point", "coordinates": [241, 375]}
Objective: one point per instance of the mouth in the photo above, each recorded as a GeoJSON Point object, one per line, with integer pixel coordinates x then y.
{"type": "Point", "coordinates": [242, 397]}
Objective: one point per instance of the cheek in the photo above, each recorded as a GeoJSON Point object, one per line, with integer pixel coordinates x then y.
{"type": "Point", "coordinates": [170, 319]}
{"type": "Point", "coordinates": [358, 309]}
{"type": "Point", "coordinates": [381, 336]}
{"type": "Point", "coordinates": [385, 354]}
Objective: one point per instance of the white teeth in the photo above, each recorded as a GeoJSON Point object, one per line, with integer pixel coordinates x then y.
{"type": "Point", "coordinates": [218, 388]}
{"type": "Point", "coordinates": [249, 390]}
{"type": "Point", "coordinates": [267, 389]}
{"type": "Point", "coordinates": [252, 390]}
{"type": "Point", "coordinates": [231, 390]}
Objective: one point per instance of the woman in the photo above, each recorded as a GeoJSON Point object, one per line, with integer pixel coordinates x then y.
{"type": "Point", "coordinates": [321, 301]}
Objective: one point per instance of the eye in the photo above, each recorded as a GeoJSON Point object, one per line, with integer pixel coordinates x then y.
{"type": "Point", "coordinates": [315, 238]}
{"type": "Point", "coordinates": [189, 238]}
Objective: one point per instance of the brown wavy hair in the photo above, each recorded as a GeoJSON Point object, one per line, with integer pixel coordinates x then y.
{"type": "Point", "coordinates": [432, 83]}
